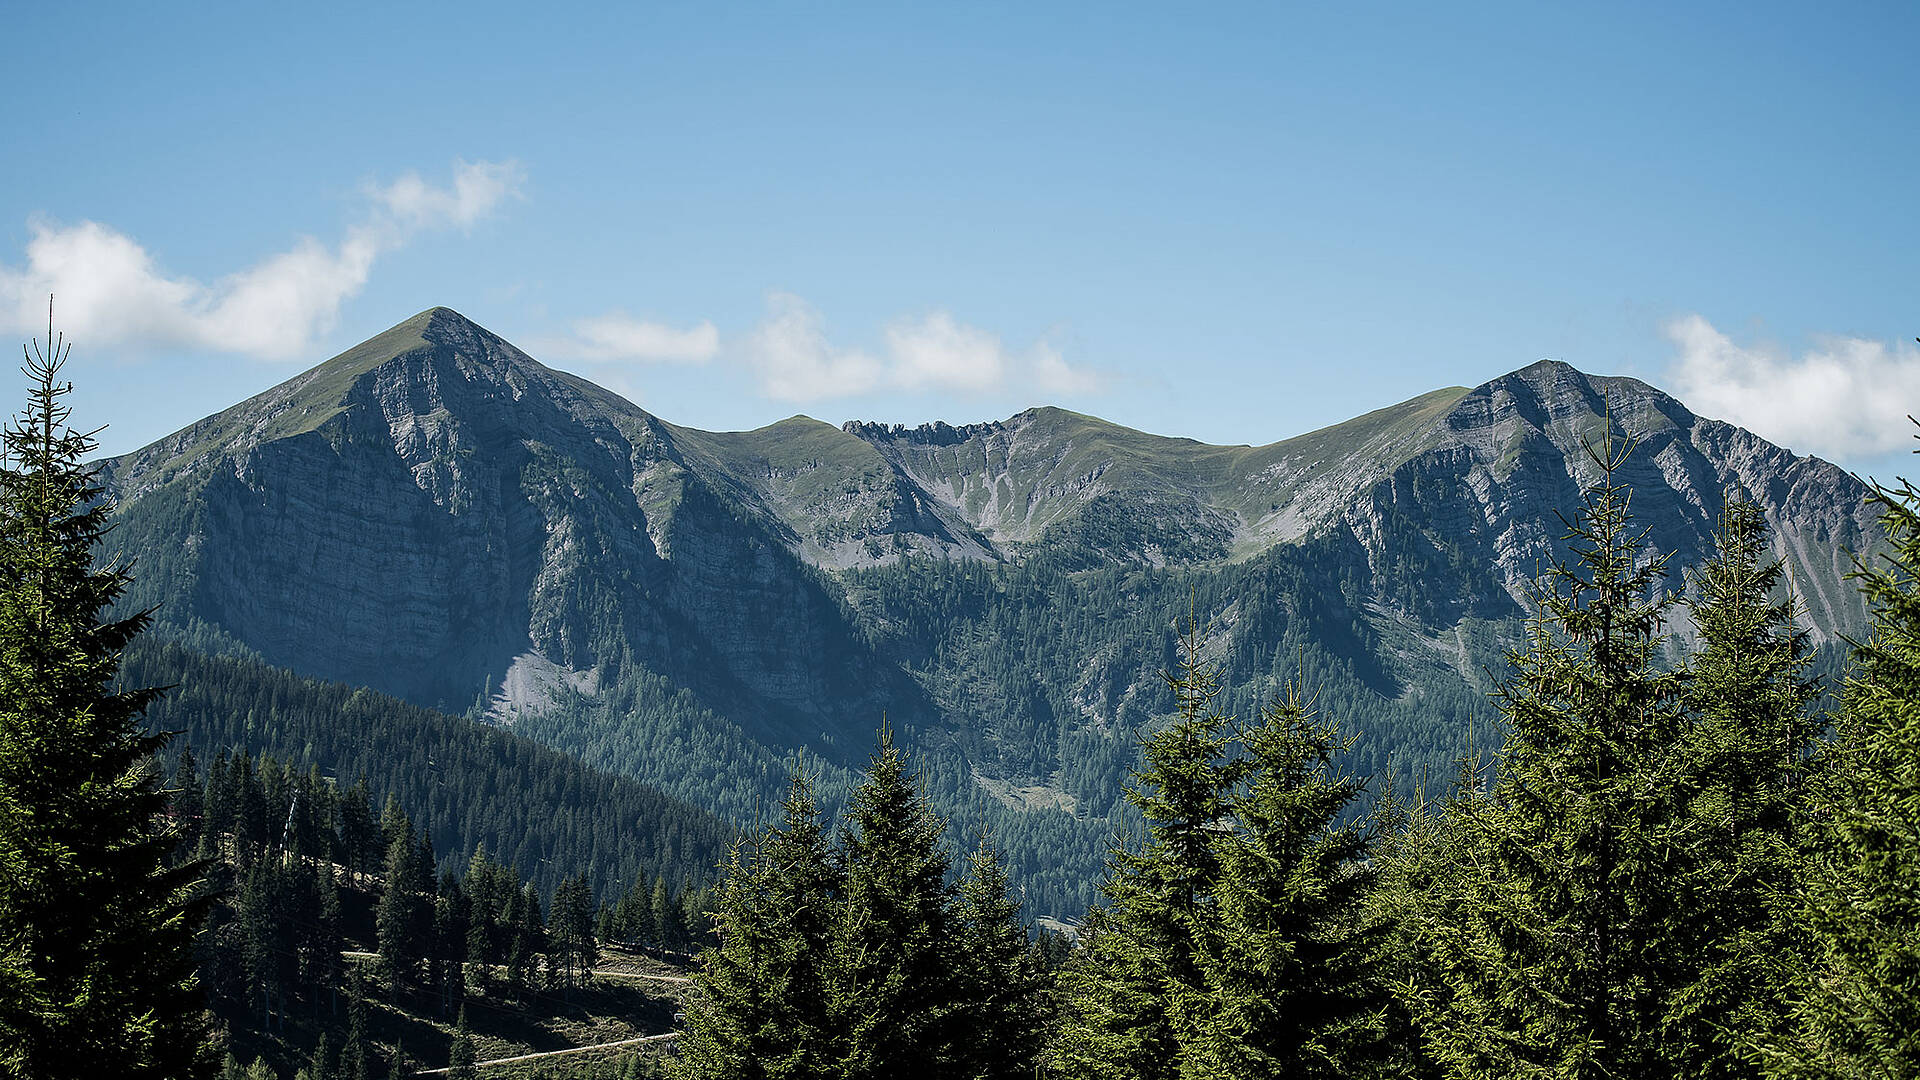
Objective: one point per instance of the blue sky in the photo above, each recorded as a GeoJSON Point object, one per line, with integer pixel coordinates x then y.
{"type": "Point", "coordinates": [1231, 223]}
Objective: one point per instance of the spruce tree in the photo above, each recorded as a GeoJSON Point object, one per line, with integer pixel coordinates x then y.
{"type": "Point", "coordinates": [1135, 996]}
{"type": "Point", "coordinates": [760, 1006]}
{"type": "Point", "coordinates": [355, 1053]}
{"type": "Point", "coordinates": [1751, 731]}
{"type": "Point", "coordinates": [460, 1057]}
{"type": "Point", "coordinates": [1291, 982]}
{"type": "Point", "coordinates": [893, 975]}
{"type": "Point", "coordinates": [1002, 994]}
{"type": "Point", "coordinates": [96, 967]}
{"type": "Point", "coordinates": [1548, 938]}
{"type": "Point", "coordinates": [399, 921]}
{"type": "Point", "coordinates": [572, 929]}
{"type": "Point", "coordinates": [1859, 1014]}
{"type": "Point", "coordinates": [320, 1066]}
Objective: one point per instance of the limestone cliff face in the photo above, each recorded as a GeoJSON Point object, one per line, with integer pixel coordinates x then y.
{"type": "Point", "coordinates": [419, 511]}
{"type": "Point", "coordinates": [422, 510]}
{"type": "Point", "coordinates": [1512, 457]}
{"type": "Point", "coordinates": [1456, 497]}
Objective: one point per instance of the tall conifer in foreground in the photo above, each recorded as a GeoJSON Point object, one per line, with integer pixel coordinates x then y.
{"type": "Point", "coordinates": [1750, 736]}
{"type": "Point", "coordinates": [1134, 996]}
{"type": "Point", "coordinates": [760, 1002]}
{"type": "Point", "coordinates": [1234, 943]}
{"type": "Point", "coordinates": [96, 967]}
{"type": "Point", "coordinates": [1000, 989]}
{"type": "Point", "coordinates": [894, 987]}
{"type": "Point", "coordinates": [1546, 935]}
{"type": "Point", "coordinates": [1860, 1013]}
{"type": "Point", "coordinates": [1291, 980]}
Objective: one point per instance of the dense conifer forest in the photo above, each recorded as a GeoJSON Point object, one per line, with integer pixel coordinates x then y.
{"type": "Point", "coordinates": [469, 786]}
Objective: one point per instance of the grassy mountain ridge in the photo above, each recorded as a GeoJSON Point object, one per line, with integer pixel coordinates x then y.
{"type": "Point", "coordinates": [434, 514]}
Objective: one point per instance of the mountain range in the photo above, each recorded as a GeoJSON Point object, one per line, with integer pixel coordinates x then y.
{"type": "Point", "coordinates": [436, 515]}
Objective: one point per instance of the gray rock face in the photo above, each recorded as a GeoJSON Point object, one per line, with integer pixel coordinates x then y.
{"type": "Point", "coordinates": [422, 510]}
{"type": "Point", "coordinates": [1514, 455]}
{"type": "Point", "coordinates": [1481, 476]}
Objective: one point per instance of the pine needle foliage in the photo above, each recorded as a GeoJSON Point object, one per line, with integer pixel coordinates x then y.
{"type": "Point", "coordinates": [1002, 991]}
{"type": "Point", "coordinates": [761, 1006]}
{"type": "Point", "coordinates": [894, 992]}
{"type": "Point", "coordinates": [1860, 1011]}
{"type": "Point", "coordinates": [1546, 930]}
{"type": "Point", "coordinates": [96, 965]}
{"type": "Point", "coordinates": [1290, 979]}
{"type": "Point", "coordinates": [1750, 739]}
{"type": "Point", "coordinates": [1135, 994]}
{"type": "Point", "coordinates": [861, 958]}
{"type": "Point", "coordinates": [1234, 942]}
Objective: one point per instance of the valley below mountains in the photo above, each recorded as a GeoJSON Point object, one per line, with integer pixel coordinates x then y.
{"type": "Point", "coordinates": [437, 516]}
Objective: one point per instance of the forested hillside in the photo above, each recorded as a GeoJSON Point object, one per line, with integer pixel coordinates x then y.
{"type": "Point", "coordinates": [469, 787]}
{"type": "Point", "coordinates": [1676, 862]}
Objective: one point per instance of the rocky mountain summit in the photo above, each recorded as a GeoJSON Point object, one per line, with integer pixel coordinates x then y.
{"type": "Point", "coordinates": [435, 514]}
{"type": "Point", "coordinates": [420, 510]}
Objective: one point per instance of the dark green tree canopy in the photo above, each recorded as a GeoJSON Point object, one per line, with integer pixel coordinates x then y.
{"type": "Point", "coordinates": [96, 969]}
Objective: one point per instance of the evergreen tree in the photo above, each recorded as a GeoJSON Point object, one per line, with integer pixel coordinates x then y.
{"type": "Point", "coordinates": [525, 927]}
{"type": "Point", "coordinates": [893, 981]}
{"type": "Point", "coordinates": [359, 833]}
{"type": "Point", "coordinates": [401, 921]}
{"type": "Point", "coordinates": [1291, 983]}
{"type": "Point", "coordinates": [1548, 939]}
{"type": "Point", "coordinates": [1860, 1010]}
{"type": "Point", "coordinates": [96, 969]}
{"type": "Point", "coordinates": [460, 1058]}
{"type": "Point", "coordinates": [218, 805]}
{"type": "Point", "coordinates": [571, 929]}
{"type": "Point", "coordinates": [451, 914]}
{"type": "Point", "coordinates": [1136, 994]}
{"type": "Point", "coordinates": [320, 1066]}
{"type": "Point", "coordinates": [760, 1006]}
{"type": "Point", "coordinates": [1751, 735]}
{"type": "Point", "coordinates": [354, 1052]}
{"type": "Point", "coordinates": [483, 920]}
{"type": "Point", "coordinates": [1001, 991]}
{"type": "Point", "coordinates": [664, 915]}
{"type": "Point", "coordinates": [257, 918]}
{"type": "Point", "coordinates": [188, 792]}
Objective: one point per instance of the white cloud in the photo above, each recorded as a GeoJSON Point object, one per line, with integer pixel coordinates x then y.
{"type": "Point", "coordinates": [938, 352]}
{"type": "Point", "coordinates": [109, 290]}
{"type": "Point", "coordinates": [795, 361]}
{"type": "Point", "coordinates": [616, 336]}
{"type": "Point", "coordinates": [1847, 398]}
{"type": "Point", "coordinates": [1052, 374]}
{"type": "Point", "coordinates": [478, 188]}
{"type": "Point", "coordinates": [791, 353]}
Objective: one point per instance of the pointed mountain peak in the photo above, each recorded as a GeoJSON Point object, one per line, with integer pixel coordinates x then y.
{"type": "Point", "coordinates": [435, 349]}
{"type": "Point", "coordinates": [1549, 392]}
{"type": "Point", "coordinates": [436, 326]}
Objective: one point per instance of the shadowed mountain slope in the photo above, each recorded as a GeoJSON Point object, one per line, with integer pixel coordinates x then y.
{"type": "Point", "coordinates": [437, 515]}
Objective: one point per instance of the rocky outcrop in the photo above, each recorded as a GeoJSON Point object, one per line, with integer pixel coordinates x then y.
{"type": "Point", "coordinates": [432, 507]}
{"type": "Point", "coordinates": [429, 510]}
{"type": "Point", "coordinates": [1497, 488]}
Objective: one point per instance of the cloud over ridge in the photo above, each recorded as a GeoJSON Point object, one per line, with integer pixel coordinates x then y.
{"type": "Point", "coordinates": [791, 354]}
{"type": "Point", "coordinates": [110, 290]}
{"type": "Point", "coordinates": [1847, 397]}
